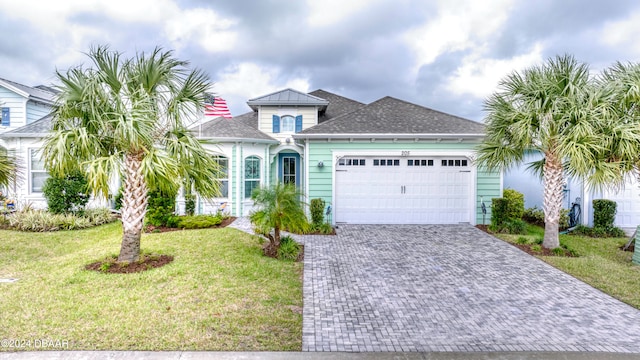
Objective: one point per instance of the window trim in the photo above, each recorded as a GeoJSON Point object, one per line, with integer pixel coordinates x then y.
{"type": "Point", "coordinates": [284, 129]}
{"type": "Point", "coordinates": [244, 175]}
{"type": "Point", "coordinates": [217, 158]}
{"type": "Point", "coordinates": [32, 152]}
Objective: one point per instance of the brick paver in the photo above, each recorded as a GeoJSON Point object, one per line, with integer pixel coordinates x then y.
{"type": "Point", "coordinates": [450, 288]}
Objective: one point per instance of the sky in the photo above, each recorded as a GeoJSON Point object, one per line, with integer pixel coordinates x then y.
{"type": "Point", "coordinates": [448, 55]}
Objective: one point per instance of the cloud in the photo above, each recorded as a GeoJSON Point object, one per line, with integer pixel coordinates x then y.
{"type": "Point", "coordinates": [241, 82]}
{"type": "Point", "coordinates": [196, 25]}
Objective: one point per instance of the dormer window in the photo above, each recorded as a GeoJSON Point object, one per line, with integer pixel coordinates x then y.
{"type": "Point", "coordinates": [287, 124]}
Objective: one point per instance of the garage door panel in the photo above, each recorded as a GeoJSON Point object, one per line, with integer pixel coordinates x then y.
{"type": "Point", "coordinates": [396, 193]}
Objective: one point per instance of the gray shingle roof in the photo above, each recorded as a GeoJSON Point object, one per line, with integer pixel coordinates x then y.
{"type": "Point", "coordinates": [392, 116]}
{"type": "Point", "coordinates": [38, 128]}
{"type": "Point", "coordinates": [230, 129]}
{"type": "Point", "coordinates": [38, 93]}
{"type": "Point", "coordinates": [287, 97]}
{"type": "Point", "coordinates": [338, 105]}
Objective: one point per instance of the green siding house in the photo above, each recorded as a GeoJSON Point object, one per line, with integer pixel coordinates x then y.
{"type": "Point", "coordinates": [387, 162]}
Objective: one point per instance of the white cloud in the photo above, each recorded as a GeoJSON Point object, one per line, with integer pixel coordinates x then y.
{"type": "Point", "coordinates": [479, 76]}
{"type": "Point", "coordinates": [325, 12]}
{"type": "Point", "coordinates": [203, 26]}
{"type": "Point", "coordinates": [459, 25]}
{"type": "Point", "coordinates": [623, 33]}
{"type": "Point", "coordinates": [246, 80]}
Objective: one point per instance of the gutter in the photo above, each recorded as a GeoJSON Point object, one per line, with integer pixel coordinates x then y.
{"type": "Point", "coordinates": [387, 136]}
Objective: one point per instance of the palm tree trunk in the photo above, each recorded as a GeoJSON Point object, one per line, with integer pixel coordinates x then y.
{"type": "Point", "coordinates": [134, 206]}
{"type": "Point", "coordinates": [553, 184]}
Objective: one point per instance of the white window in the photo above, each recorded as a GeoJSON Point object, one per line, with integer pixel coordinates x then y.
{"type": "Point", "coordinates": [37, 173]}
{"type": "Point", "coordinates": [288, 123]}
{"type": "Point", "coordinates": [223, 163]}
{"type": "Point", "coordinates": [251, 175]}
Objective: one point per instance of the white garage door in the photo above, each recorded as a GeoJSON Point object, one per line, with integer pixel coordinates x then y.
{"type": "Point", "coordinates": [401, 190]}
{"type": "Point", "coordinates": [628, 199]}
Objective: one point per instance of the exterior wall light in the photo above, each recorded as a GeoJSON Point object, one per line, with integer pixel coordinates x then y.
{"type": "Point", "coordinates": [320, 164]}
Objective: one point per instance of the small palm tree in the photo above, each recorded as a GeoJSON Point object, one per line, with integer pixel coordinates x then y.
{"type": "Point", "coordinates": [10, 171]}
{"type": "Point", "coordinates": [127, 117]}
{"type": "Point", "coordinates": [279, 207]}
{"type": "Point", "coordinates": [558, 111]}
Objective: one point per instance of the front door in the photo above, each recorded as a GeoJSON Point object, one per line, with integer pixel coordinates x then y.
{"type": "Point", "coordinates": [290, 169]}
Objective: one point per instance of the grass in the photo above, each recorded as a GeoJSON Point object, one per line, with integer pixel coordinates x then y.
{"type": "Point", "coordinates": [220, 292]}
{"type": "Point", "coordinates": [600, 263]}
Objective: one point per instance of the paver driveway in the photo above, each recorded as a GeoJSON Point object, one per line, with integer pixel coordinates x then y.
{"type": "Point", "coordinates": [450, 288]}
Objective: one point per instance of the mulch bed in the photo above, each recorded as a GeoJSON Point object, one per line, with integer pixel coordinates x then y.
{"type": "Point", "coordinates": [528, 248]}
{"type": "Point", "coordinates": [146, 262]}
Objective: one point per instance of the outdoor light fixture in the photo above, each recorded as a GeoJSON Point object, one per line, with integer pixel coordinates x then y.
{"type": "Point", "coordinates": [320, 164]}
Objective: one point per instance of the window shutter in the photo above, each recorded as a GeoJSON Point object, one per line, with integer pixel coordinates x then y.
{"type": "Point", "coordinates": [298, 123]}
{"type": "Point", "coordinates": [276, 124]}
{"type": "Point", "coordinates": [6, 116]}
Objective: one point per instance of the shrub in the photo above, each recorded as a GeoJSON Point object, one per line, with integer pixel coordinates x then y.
{"type": "Point", "coordinates": [535, 216]}
{"type": "Point", "coordinates": [289, 249]}
{"type": "Point", "coordinates": [189, 204]}
{"type": "Point", "coordinates": [199, 221]}
{"type": "Point", "coordinates": [515, 204]}
{"type": "Point", "coordinates": [161, 206]}
{"type": "Point", "coordinates": [66, 194]}
{"type": "Point", "coordinates": [604, 213]}
{"type": "Point", "coordinates": [117, 201]}
{"type": "Point", "coordinates": [316, 208]}
{"type": "Point", "coordinates": [39, 220]}
{"type": "Point", "coordinates": [522, 240]}
{"type": "Point", "coordinates": [499, 208]}
{"type": "Point", "coordinates": [173, 221]}
{"type": "Point", "coordinates": [510, 226]}
{"type": "Point", "coordinates": [599, 232]}
{"type": "Point", "coordinates": [98, 216]}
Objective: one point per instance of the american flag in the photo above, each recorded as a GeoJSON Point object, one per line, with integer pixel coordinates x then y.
{"type": "Point", "coordinates": [216, 107]}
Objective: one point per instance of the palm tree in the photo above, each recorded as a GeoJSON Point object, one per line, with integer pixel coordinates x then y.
{"type": "Point", "coordinates": [127, 117]}
{"type": "Point", "coordinates": [279, 207]}
{"type": "Point", "coordinates": [622, 80]}
{"type": "Point", "coordinates": [558, 111]}
{"type": "Point", "coordinates": [10, 172]}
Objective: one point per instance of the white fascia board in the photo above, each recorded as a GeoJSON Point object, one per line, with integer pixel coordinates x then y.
{"type": "Point", "coordinates": [240, 140]}
{"type": "Point", "coordinates": [388, 136]}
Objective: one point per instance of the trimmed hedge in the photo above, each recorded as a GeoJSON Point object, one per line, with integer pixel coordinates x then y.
{"type": "Point", "coordinates": [316, 208]}
{"type": "Point", "coordinates": [604, 213]}
{"type": "Point", "coordinates": [515, 204]}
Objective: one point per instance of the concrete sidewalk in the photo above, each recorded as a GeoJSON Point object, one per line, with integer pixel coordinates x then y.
{"type": "Point", "coordinates": [201, 355]}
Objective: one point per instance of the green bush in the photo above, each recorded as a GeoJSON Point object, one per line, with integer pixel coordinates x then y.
{"type": "Point", "coordinates": [117, 201]}
{"type": "Point", "coordinates": [599, 232]}
{"type": "Point", "coordinates": [509, 226]}
{"type": "Point", "coordinates": [66, 194]}
{"type": "Point", "coordinates": [173, 221]}
{"type": "Point", "coordinates": [499, 207]}
{"type": "Point", "coordinates": [40, 220]}
{"type": "Point", "coordinates": [289, 249]}
{"type": "Point", "coordinates": [189, 204]}
{"type": "Point", "coordinates": [535, 216]}
{"type": "Point", "coordinates": [161, 206]}
{"type": "Point", "coordinates": [604, 213]}
{"type": "Point", "coordinates": [199, 221]}
{"type": "Point", "coordinates": [515, 204]}
{"type": "Point", "coordinates": [316, 208]}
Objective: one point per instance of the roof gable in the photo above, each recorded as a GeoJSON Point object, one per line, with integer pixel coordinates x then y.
{"type": "Point", "coordinates": [393, 116]}
{"type": "Point", "coordinates": [221, 128]}
{"type": "Point", "coordinates": [38, 93]}
{"type": "Point", "coordinates": [38, 128]}
{"type": "Point", "coordinates": [287, 97]}
{"type": "Point", "coordinates": [338, 105]}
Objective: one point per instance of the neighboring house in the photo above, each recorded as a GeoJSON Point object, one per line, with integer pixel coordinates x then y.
{"type": "Point", "coordinates": [627, 198]}
{"type": "Point", "coordinates": [24, 123]}
{"type": "Point", "coordinates": [387, 162]}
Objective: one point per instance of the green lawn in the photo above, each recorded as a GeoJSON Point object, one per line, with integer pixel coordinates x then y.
{"type": "Point", "coordinates": [219, 293]}
{"type": "Point", "coordinates": [600, 263]}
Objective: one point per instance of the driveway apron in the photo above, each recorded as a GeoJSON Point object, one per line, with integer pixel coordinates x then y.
{"type": "Point", "coordinates": [450, 288]}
